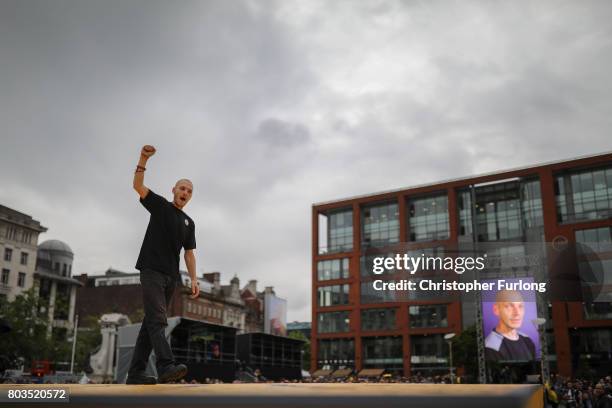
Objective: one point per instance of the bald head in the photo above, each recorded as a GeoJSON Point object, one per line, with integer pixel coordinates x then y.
{"type": "Point", "coordinates": [184, 181]}
{"type": "Point", "coordinates": [182, 191]}
{"type": "Point", "coordinates": [508, 296]}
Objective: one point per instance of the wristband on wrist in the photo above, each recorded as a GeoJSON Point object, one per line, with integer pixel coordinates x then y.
{"type": "Point", "coordinates": [141, 168]}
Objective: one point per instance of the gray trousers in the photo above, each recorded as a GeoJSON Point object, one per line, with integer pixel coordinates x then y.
{"type": "Point", "coordinates": [157, 291]}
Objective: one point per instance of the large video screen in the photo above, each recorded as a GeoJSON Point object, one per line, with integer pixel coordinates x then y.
{"type": "Point", "coordinates": [509, 327]}
{"type": "Point", "coordinates": [275, 315]}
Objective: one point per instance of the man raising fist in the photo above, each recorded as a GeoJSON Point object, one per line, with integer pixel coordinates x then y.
{"type": "Point", "coordinates": [169, 230]}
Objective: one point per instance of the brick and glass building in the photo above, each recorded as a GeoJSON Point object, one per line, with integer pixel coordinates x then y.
{"type": "Point", "coordinates": [355, 327]}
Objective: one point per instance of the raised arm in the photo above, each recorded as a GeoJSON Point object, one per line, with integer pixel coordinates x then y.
{"type": "Point", "coordinates": [146, 152]}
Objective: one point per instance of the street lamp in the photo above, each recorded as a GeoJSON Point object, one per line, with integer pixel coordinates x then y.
{"type": "Point", "coordinates": [449, 339]}
{"type": "Point", "coordinates": [538, 323]}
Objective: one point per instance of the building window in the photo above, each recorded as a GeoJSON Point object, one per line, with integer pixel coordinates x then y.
{"type": "Point", "coordinates": [64, 269]}
{"type": "Point", "coordinates": [464, 204]}
{"type": "Point", "coordinates": [380, 225]}
{"type": "Point", "coordinates": [428, 350]}
{"type": "Point", "coordinates": [8, 254]}
{"type": "Point", "coordinates": [498, 215]}
{"type": "Point", "coordinates": [24, 258]}
{"type": "Point", "coordinates": [336, 352]}
{"type": "Point", "coordinates": [333, 322]}
{"type": "Point", "coordinates": [333, 269]}
{"type": "Point", "coordinates": [26, 237]}
{"type": "Point", "coordinates": [599, 240]}
{"type": "Point", "coordinates": [377, 319]}
{"type": "Point", "coordinates": [21, 280]}
{"type": "Point", "coordinates": [370, 295]}
{"type": "Point", "coordinates": [70, 272]}
{"type": "Point", "coordinates": [428, 218]}
{"type": "Point", "coordinates": [341, 231]}
{"type": "Point", "coordinates": [531, 204]}
{"type": "Point", "coordinates": [336, 232]}
{"type": "Point", "coordinates": [5, 276]}
{"type": "Point", "coordinates": [598, 310]}
{"type": "Point", "coordinates": [428, 316]}
{"type": "Point", "coordinates": [57, 267]}
{"type": "Point", "coordinates": [594, 247]}
{"type": "Point", "coordinates": [590, 349]}
{"type": "Point", "coordinates": [333, 295]}
{"type": "Point", "coordinates": [11, 233]}
{"type": "Point", "coordinates": [382, 352]}
{"type": "Point", "coordinates": [584, 195]}
{"type": "Point", "coordinates": [504, 211]}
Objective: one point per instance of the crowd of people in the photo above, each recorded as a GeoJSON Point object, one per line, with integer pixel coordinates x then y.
{"type": "Point", "coordinates": [579, 393]}
{"type": "Point", "coordinates": [559, 391]}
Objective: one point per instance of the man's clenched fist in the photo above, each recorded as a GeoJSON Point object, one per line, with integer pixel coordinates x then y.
{"type": "Point", "coordinates": [195, 289]}
{"type": "Point", "coordinates": [147, 151]}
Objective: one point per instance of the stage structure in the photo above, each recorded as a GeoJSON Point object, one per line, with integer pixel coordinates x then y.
{"type": "Point", "coordinates": [277, 357]}
{"type": "Point", "coordinates": [291, 395]}
{"type": "Point", "coordinates": [208, 350]}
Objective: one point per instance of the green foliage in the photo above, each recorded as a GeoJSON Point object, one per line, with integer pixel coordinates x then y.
{"type": "Point", "coordinates": [136, 316]}
{"type": "Point", "coordinates": [465, 352]}
{"type": "Point", "coordinates": [305, 348]}
{"type": "Point", "coordinates": [89, 339]}
{"type": "Point", "coordinates": [27, 339]}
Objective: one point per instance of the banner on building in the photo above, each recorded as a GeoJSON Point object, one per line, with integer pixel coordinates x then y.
{"type": "Point", "coordinates": [275, 314]}
{"type": "Point", "coordinates": [509, 313]}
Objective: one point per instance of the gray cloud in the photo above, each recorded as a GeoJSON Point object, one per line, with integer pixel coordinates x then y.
{"type": "Point", "coordinates": [279, 134]}
{"type": "Point", "coordinates": [270, 106]}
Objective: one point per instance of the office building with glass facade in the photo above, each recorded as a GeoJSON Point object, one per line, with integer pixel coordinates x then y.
{"type": "Point", "coordinates": [354, 326]}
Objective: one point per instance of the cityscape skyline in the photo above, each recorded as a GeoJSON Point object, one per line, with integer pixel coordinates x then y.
{"type": "Point", "coordinates": [271, 107]}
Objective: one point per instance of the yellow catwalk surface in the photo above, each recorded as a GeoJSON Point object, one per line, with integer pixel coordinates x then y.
{"type": "Point", "coordinates": [281, 395]}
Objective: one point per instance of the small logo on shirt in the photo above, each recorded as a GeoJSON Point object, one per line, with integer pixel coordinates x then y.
{"type": "Point", "coordinates": [186, 222]}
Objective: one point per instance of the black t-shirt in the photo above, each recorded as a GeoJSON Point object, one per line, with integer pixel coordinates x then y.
{"type": "Point", "coordinates": [169, 230]}
{"type": "Point", "coordinates": [500, 348]}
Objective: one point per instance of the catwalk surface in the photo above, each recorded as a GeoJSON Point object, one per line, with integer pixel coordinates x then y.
{"type": "Point", "coordinates": [291, 395]}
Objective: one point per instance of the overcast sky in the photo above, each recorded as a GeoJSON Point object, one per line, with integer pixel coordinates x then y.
{"type": "Point", "coordinates": [271, 106]}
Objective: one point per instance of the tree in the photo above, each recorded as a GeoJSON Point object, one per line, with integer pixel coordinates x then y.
{"type": "Point", "coordinates": [27, 340]}
{"type": "Point", "coordinates": [89, 339]}
{"type": "Point", "coordinates": [465, 351]}
{"type": "Point", "coordinates": [305, 348]}
{"type": "Point", "coordinates": [136, 316]}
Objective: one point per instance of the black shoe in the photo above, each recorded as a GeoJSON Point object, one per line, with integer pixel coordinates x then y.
{"type": "Point", "coordinates": [140, 378]}
{"type": "Point", "coordinates": [173, 372]}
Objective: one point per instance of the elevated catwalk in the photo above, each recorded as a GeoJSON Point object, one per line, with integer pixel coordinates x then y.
{"type": "Point", "coordinates": [293, 395]}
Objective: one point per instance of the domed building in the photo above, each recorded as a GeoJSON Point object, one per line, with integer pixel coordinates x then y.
{"type": "Point", "coordinates": [56, 287]}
